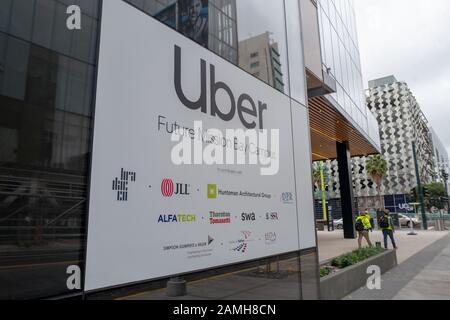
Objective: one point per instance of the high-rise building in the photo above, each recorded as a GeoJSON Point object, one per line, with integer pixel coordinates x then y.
{"type": "Point", "coordinates": [342, 127]}
{"type": "Point", "coordinates": [92, 201]}
{"type": "Point", "coordinates": [402, 124]}
{"type": "Point", "coordinates": [259, 56]}
{"type": "Point", "coordinates": [440, 156]}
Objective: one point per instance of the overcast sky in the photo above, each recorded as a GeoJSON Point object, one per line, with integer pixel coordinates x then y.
{"type": "Point", "coordinates": [411, 40]}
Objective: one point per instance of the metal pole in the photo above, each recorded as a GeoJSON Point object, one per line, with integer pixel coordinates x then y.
{"type": "Point", "coordinates": [411, 224]}
{"type": "Point", "coordinates": [445, 178]}
{"type": "Point", "coordinates": [419, 186]}
{"type": "Point", "coordinates": [448, 199]}
{"type": "Point", "coordinates": [324, 199]}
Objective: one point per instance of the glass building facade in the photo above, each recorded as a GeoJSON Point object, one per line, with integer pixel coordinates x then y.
{"type": "Point", "coordinates": [232, 24]}
{"type": "Point", "coordinates": [341, 59]}
{"type": "Point", "coordinates": [47, 98]}
{"type": "Point", "coordinates": [46, 105]}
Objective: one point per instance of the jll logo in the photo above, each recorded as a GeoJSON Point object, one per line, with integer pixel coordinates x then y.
{"type": "Point", "coordinates": [169, 188]}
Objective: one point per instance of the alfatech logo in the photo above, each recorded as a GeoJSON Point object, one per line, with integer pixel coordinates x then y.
{"type": "Point", "coordinates": [121, 185]}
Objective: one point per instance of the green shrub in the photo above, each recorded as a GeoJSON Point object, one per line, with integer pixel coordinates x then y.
{"type": "Point", "coordinates": [325, 271]}
{"type": "Point", "coordinates": [355, 257]}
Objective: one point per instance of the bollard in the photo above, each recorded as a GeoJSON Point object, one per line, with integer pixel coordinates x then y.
{"type": "Point", "coordinates": [411, 224]}
{"type": "Point", "coordinates": [176, 287]}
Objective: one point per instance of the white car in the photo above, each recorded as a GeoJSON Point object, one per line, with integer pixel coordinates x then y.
{"type": "Point", "coordinates": [405, 221]}
{"type": "Point", "coordinates": [339, 224]}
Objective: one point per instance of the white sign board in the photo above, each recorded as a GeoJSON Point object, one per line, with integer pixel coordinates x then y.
{"type": "Point", "coordinates": [149, 218]}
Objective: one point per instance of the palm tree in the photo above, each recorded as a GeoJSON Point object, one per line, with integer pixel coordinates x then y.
{"type": "Point", "coordinates": [376, 168]}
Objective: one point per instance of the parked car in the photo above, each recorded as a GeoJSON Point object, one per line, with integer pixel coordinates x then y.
{"type": "Point", "coordinates": [405, 221]}
{"type": "Point", "coordinates": [338, 224]}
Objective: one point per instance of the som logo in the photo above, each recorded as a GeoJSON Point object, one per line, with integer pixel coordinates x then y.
{"type": "Point", "coordinates": [272, 216]}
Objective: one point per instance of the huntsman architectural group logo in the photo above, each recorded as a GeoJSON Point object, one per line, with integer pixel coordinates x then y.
{"type": "Point", "coordinates": [212, 191]}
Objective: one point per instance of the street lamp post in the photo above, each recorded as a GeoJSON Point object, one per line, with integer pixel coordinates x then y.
{"type": "Point", "coordinates": [326, 213]}
{"type": "Point", "coordinates": [411, 223]}
{"type": "Point", "coordinates": [443, 171]}
{"type": "Point", "coordinates": [445, 178]}
{"type": "Point", "coordinates": [420, 189]}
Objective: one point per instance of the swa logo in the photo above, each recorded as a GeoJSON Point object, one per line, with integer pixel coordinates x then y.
{"type": "Point", "coordinates": [169, 188]}
{"type": "Point", "coordinates": [248, 217]}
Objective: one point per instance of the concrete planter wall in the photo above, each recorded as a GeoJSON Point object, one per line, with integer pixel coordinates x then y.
{"type": "Point", "coordinates": [341, 284]}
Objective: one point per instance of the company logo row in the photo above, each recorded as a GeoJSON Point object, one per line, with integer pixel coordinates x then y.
{"type": "Point", "coordinates": [241, 244]}
{"type": "Point", "coordinates": [216, 218]}
{"type": "Point", "coordinates": [170, 189]}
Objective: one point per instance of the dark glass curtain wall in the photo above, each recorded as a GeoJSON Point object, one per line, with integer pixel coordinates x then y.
{"type": "Point", "coordinates": [47, 75]}
{"type": "Point", "coordinates": [46, 103]}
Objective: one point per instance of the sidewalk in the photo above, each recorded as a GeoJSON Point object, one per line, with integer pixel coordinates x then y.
{"type": "Point", "coordinates": [332, 244]}
{"type": "Point", "coordinates": [424, 276]}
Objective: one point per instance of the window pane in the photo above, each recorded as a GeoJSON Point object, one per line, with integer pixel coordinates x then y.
{"type": "Point", "coordinates": [264, 33]}
{"type": "Point", "coordinates": [45, 133]}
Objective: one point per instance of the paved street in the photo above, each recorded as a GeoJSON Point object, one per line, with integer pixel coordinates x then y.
{"type": "Point", "coordinates": [423, 276]}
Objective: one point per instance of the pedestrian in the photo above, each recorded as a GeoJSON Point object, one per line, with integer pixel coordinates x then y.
{"type": "Point", "coordinates": [386, 224]}
{"type": "Point", "coordinates": [363, 226]}
{"type": "Point", "coordinates": [372, 221]}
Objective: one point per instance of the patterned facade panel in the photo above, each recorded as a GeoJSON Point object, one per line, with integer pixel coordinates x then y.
{"type": "Point", "coordinates": [401, 122]}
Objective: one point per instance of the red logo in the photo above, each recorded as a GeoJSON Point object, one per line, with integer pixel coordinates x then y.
{"type": "Point", "coordinates": [167, 188]}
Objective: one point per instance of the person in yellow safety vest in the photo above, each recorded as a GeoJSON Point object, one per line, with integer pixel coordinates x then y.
{"type": "Point", "coordinates": [363, 226]}
{"type": "Point", "coordinates": [386, 224]}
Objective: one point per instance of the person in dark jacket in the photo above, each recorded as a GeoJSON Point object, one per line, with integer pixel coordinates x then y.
{"type": "Point", "coordinates": [386, 224]}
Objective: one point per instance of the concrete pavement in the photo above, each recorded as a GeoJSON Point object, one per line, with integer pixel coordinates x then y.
{"type": "Point", "coordinates": [245, 284]}
{"type": "Point", "coordinates": [423, 276]}
{"type": "Point", "coordinates": [432, 283]}
{"type": "Point", "coordinates": [332, 244]}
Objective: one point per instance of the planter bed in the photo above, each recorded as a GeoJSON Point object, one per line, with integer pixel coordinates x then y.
{"type": "Point", "coordinates": [341, 282]}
